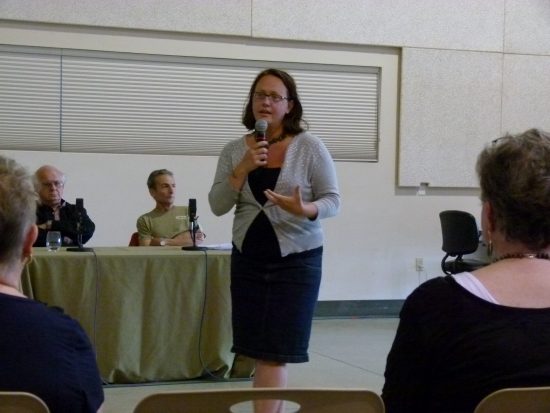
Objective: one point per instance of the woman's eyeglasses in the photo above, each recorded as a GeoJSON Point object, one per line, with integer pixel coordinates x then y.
{"type": "Point", "coordinates": [273, 97]}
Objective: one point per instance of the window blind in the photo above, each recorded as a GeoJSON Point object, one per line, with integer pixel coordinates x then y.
{"type": "Point", "coordinates": [190, 106]}
{"type": "Point", "coordinates": [30, 101]}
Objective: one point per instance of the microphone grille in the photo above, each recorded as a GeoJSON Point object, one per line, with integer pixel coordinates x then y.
{"type": "Point", "coordinates": [261, 125]}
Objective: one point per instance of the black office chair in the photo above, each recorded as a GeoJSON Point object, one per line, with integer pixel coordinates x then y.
{"type": "Point", "coordinates": [460, 237]}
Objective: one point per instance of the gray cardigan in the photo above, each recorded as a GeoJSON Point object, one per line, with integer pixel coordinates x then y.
{"type": "Point", "coordinates": [307, 164]}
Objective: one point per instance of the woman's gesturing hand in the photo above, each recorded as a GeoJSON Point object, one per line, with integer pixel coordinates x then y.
{"type": "Point", "coordinates": [293, 204]}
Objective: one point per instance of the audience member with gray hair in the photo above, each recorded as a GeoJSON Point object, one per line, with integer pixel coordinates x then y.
{"type": "Point", "coordinates": [464, 336]}
{"type": "Point", "coordinates": [42, 350]}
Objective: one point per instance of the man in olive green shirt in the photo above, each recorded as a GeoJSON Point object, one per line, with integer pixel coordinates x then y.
{"type": "Point", "coordinates": [166, 224]}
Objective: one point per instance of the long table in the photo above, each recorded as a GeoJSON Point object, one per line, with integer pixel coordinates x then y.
{"type": "Point", "coordinates": [153, 314]}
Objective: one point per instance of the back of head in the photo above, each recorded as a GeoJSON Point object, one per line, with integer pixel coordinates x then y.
{"type": "Point", "coordinates": [17, 209]}
{"type": "Point", "coordinates": [514, 175]}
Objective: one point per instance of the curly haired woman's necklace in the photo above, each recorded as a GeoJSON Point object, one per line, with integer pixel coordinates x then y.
{"type": "Point", "coordinates": [275, 140]}
{"type": "Point", "coordinates": [539, 255]}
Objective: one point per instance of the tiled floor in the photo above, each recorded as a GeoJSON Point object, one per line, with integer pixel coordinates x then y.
{"type": "Point", "coordinates": [343, 353]}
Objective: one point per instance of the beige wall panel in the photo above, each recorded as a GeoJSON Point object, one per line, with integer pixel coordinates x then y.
{"type": "Point", "coordinates": [458, 24]}
{"type": "Point", "coordinates": [526, 93]}
{"type": "Point", "coordinates": [527, 27]}
{"type": "Point", "coordinates": [230, 17]}
{"type": "Point", "coordinates": [450, 106]}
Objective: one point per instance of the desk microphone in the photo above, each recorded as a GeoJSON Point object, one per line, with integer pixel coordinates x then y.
{"type": "Point", "coordinates": [260, 127]}
{"type": "Point", "coordinates": [80, 212]}
{"type": "Point", "coordinates": [192, 210]}
{"type": "Point", "coordinates": [193, 227]}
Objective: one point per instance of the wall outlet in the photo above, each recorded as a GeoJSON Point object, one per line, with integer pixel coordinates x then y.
{"type": "Point", "coordinates": [419, 264]}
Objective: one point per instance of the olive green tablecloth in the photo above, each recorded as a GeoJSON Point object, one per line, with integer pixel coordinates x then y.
{"type": "Point", "coordinates": [152, 314]}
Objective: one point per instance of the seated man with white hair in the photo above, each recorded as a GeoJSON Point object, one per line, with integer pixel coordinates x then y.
{"type": "Point", "coordinates": [53, 213]}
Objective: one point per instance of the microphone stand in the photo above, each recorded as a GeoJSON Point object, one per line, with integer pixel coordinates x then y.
{"type": "Point", "coordinates": [80, 247]}
{"type": "Point", "coordinates": [194, 247]}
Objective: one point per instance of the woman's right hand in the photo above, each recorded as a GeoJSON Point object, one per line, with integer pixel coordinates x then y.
{"type": "Point", "coordinates": [254, 157]}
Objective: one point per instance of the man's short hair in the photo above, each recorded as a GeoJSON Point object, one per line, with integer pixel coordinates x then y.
{"type": "Point", "coordinates": [151, 181]}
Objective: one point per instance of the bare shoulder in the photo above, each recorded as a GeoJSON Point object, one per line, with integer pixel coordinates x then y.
{"type": "Point", "coordinates": [518, 283]}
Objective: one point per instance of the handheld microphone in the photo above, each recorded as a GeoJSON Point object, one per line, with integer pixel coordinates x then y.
{"type": "Point", "coordinates": [80, 204]}
{"type": "Point", "coordinates": [260, 127]}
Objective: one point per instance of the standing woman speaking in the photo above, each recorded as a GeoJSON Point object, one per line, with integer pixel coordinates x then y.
{"type": "Point", "coordinates": [281, 187]}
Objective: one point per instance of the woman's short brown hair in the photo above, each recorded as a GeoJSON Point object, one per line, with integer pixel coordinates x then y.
{"type": "Point", "coordinates": [292, 122]}
{"type": "Point", "coordinates": [514, 175]}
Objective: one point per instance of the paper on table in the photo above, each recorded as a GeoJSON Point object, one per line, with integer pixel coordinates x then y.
{"type": "Point", "coordinates": [225, 246]}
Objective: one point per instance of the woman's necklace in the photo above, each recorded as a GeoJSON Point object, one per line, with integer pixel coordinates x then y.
{"type": "Point", "coordinates": [539, 255]}
{"type": "Point", "coordinates": [275, 140]}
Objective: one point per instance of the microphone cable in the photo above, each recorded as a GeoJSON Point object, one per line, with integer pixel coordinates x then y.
{"type": "Point", "coordinates": [206, 370]}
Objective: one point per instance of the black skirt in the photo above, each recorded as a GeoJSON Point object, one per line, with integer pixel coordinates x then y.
{"type": "Point", "coordinates": [273, 303]}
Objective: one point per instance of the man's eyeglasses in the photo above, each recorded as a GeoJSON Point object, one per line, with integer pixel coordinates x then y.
{"type": "Point", "coordinates": [260, 96]}
{"type": "Point", "coordinates": [55, 184]}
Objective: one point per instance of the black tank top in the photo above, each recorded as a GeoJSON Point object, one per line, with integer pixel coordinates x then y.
{"type": "Point", "coordinates": [260, 240]}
